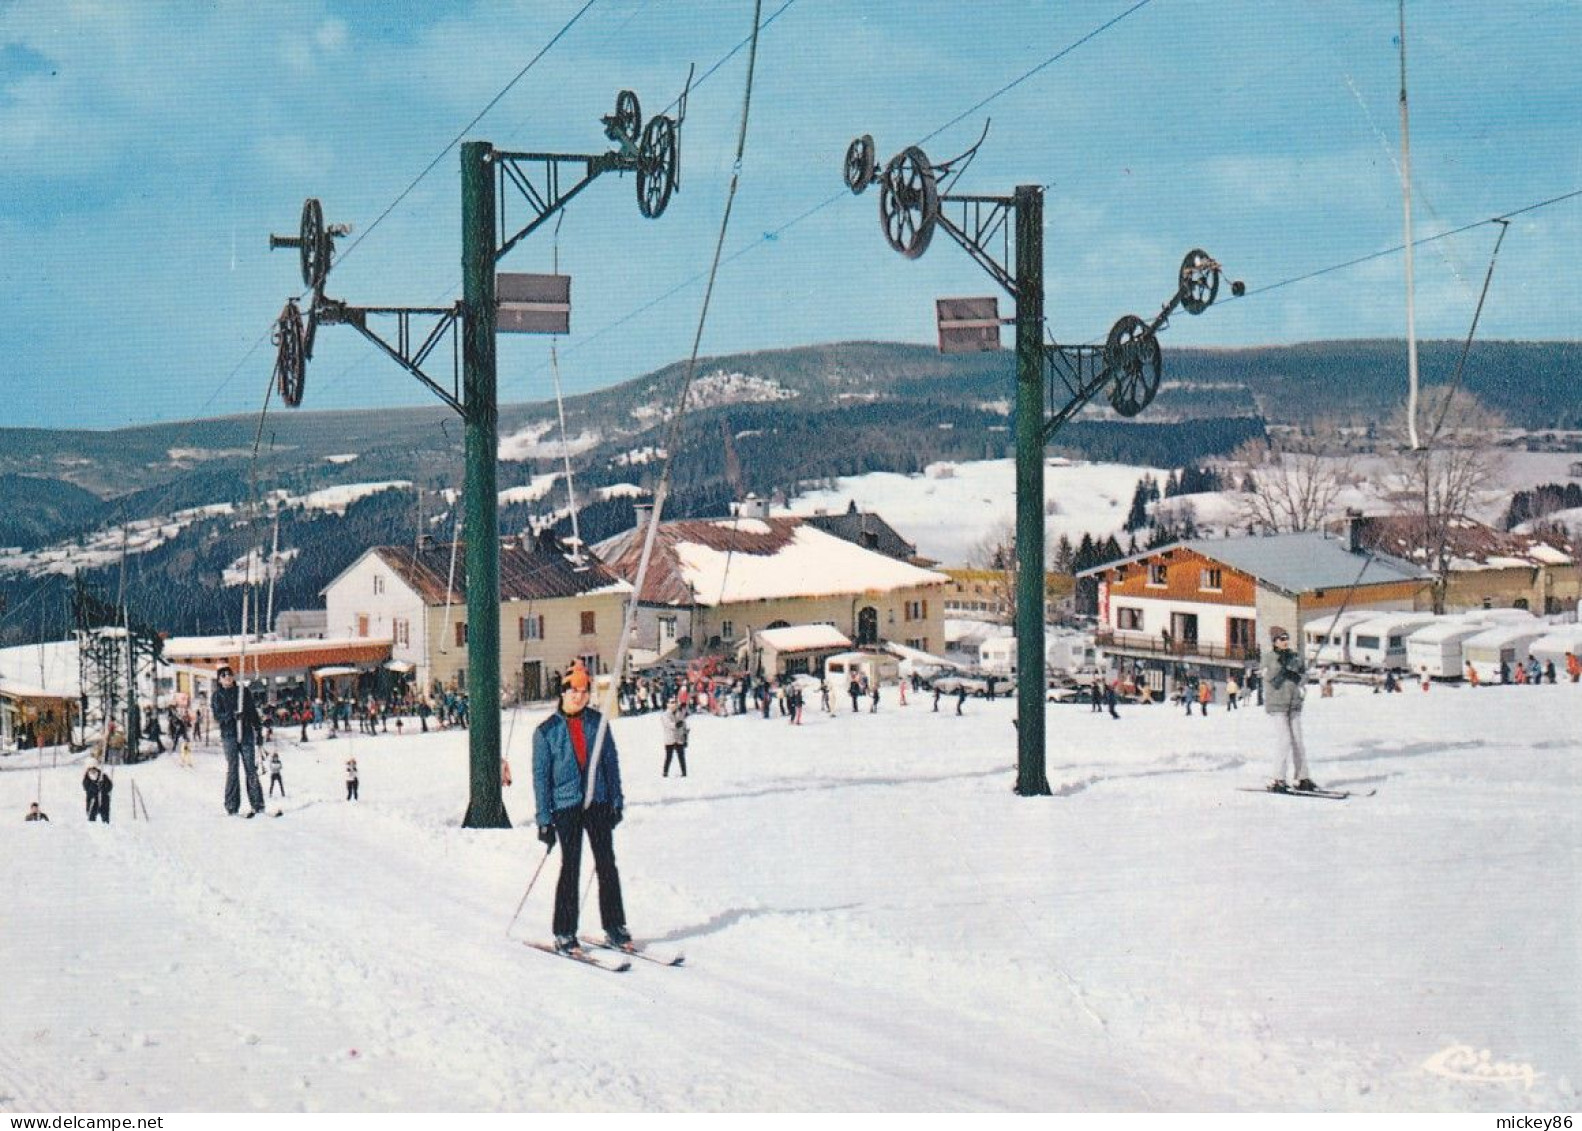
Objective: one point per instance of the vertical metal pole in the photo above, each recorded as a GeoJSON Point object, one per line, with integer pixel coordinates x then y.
{"type": "Point", "coordinates": [1030, 777]}
{"type": "Point", "coordinates": [485, 806]}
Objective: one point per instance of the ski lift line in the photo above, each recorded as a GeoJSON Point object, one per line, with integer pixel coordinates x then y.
{"type": "Point", "coordinates": [1501, 218]}
{"type": "Point", "coordinates": [1466, 346]}
{"type": "Point", "coordinates": [729, 55]}
{"type": "Point", "coordinates": [462, 133]}
{"type": "Point", "coordinates": [1016, 82]}
{"type": "Point", "coordinates": [565, 451]}
{"type": "Point", "coordinates": [630, 620]}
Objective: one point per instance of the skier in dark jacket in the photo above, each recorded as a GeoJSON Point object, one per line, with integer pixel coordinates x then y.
{"type": "Point", "coordinates": [562, 757]}
{"type": "Point", "coordinates": [236, 718]}
{"type": "Point", "coordinates": [1286, 676]}
{"type": "Point", "coordinates": [96, 787]}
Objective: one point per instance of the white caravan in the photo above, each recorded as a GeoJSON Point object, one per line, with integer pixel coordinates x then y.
{"type": "Point", "coordinates": [1552, 646]}
{"type": "Point", "coordinates": [1379, 644]}
{"type": "Point", "coordinates": [1325, 638]}
{"type": "Point", "coordinates": [1436, 648]}
{"type": "Point", "coordinates": [1503, 643]}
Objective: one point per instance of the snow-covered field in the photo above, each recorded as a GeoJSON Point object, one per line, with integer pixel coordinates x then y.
{"type": "Point", "coordinates": [872, 921]}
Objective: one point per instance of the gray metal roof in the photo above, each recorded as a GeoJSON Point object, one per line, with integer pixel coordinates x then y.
{"type": "Point", "coordinates": [1303, 563]}
{"type": "Point", "coordinates": [1292, 563]}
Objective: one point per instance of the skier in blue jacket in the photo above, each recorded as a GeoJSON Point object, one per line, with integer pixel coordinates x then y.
{"type": "Point", "coordinates": [562, 752]}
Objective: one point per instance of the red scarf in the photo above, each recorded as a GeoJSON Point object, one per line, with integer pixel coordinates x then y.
{"type": "Point", "coordinates": [579, 741]}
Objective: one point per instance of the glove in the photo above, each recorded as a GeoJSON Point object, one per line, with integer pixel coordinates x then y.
{"type": "Point", "coordinates": [546, 833]}
{"type": "Point", "coordinates": [615, 817]}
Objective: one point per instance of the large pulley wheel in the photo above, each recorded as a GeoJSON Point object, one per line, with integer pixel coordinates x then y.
{"type": "Point", "coordinates": [658, 162]}
{"type": "Point", "coordinates": [1132, 355]}
{"type": "Point", "coordinates": [627, 122]}
{"type": "Point", "coordinates": [859, 167]}
{"type": "Point", "coordinates": [290, 355]}
{"type": "Point", "coordinates": [909, 202]}
{"type": "Point", "coordinates": [313, 244]}
{"type": "Point", "coordinates": [1199, 283]}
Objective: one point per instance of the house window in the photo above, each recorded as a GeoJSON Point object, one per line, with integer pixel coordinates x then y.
{"type": "Point", "coordinates": [916, 610]}
{"type": "Point", "coordinates": [362, 624]}
{"type": "Point", "coordinates": [1212, 580]}
{"type": "Point", "coordinates": [1128, 620]}
{"type": "Point", "coordinates": [461, 634]}
{"type": "Point", "coordinates": [587, 624]}
{"type": "Point", "coordinates": [379, 584]}
{"type": "Point", "coordinates": [400, 631]}
{"type": "Point", "coordinates": [667, 628]}
{"type": "Point", "coordinates": [530, 628]}
{"type": "Point", "coordinates": [1157, 576]}
{"type": "Point", "coordinates": [728, 630]}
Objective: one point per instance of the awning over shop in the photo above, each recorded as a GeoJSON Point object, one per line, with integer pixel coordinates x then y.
{"type": "Point", "coordinates": [332, 672]}
{"type": "Point", "coordinates": [402, 666]}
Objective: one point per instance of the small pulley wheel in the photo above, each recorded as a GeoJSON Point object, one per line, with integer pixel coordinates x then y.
{"type": "Point", "coordinates": [859, 167]}
{"type": "Point", "coordinates": [290, 356]}
{"type": "Point", "coordinates": [314, 244]}
{"type": "Point", "coordinates": [627, 122]}
{"type": "Point", "coordinates": [909, 202]}
{"type": "Point", "coordinates": [658, 163]}
{"type": "Point", "coordinates": [1133, 357]}
{"type": "Point", "coordinates": [1199, 283]}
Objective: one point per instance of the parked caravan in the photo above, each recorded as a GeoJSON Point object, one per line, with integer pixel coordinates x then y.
{"type": "Point", "coordinates": [1436, 648]}
{"type": "Point", "coordinates": [1325, 638]}
{"type": "Point", "coordinates": [1069, 651]}
{"type": "Point", "coordinates": [1553, 645]}
{"type": "Point", "coordinates": [1380, 644]}
{"type": "Point", "coordinates": [879, 667]}
{"type": "Point", "coordinates": [1503, 643]}
{"type": "Point", "coordinates": [997, 654]}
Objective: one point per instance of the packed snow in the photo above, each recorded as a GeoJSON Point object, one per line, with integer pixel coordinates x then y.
{"type": "Point", "coordinates": [872, 920]}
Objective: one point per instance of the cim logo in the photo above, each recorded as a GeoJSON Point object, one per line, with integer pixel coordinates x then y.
{"type": "Point", "coordinates": [1478, 1066]}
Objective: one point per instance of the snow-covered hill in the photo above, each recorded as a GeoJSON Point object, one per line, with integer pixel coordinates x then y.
{"type": "Point", "coordinates": [872, 921]}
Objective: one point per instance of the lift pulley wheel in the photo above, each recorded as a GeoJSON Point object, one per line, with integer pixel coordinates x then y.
{"type": "Point", "coordinates": [290, 356]}
{"type": "Point", "coordinates": [859, 168]}
{"type": "Point", "coordinates": [626, 124]}
{"type": "Point", "coordinates": [658, 166]}
{"type": "Point", "coordinates": [313, 244]}
{"type": "Point", "coordinates": [1199, 281]}
{"type": "Point", "coordinates": [1132, 354]}
{"type": "Point", "coordinates": [909, 202]}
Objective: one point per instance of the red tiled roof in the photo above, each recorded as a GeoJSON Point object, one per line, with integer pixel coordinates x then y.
{"type": "Point", "coordinates": [1468, 540]}
{"type": "Point", "coordinates": [535, 573]}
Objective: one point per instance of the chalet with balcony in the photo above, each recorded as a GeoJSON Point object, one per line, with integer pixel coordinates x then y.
{"type": "Point", "coordinates": [1202, 608]}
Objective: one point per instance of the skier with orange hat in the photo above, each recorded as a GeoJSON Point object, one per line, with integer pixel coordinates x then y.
{"type": "Point", "coordinates": [563, 752]}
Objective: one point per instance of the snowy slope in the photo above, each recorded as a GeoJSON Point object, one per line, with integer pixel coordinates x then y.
{"type": "Point", "coordinates": [872, 921]}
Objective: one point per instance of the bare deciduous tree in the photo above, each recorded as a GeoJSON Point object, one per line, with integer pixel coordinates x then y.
{"type": "Point", "coordinates": [996, 554]}
{"type": "Point", "coordinates": [1452, 476]}
{"type": "Point", "coordinates": [1296, 486]}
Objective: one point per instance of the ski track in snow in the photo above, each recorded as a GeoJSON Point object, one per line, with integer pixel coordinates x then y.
{"type": "Point", "coordinates": [873, 922]}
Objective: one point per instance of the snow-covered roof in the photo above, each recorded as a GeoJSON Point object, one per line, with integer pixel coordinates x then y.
{"type": "Point", "coordinates": [1291, 563]}
{"type": "Point", "coordinates": [804, 638]}
{"type": "Point", "coordinates": [713, 562]}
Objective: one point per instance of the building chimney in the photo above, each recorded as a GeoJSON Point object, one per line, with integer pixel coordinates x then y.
{"type": "Point", "coordinates": [644, 512]}
{"type": "Point", "coordinates": [752, 507]}
{"type": "Point", "coordinates": [1354, 522]}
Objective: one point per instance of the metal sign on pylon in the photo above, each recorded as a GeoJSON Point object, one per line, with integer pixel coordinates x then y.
{"type": "Point", "coordinates": [1005, 234]}
{"type": "Point", "coordinates": [547, 182]}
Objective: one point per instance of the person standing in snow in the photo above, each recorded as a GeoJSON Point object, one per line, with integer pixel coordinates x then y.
{"type": "Point", "coordinates": [854, 689]}
{"type": "Point", "coordinates": [1232, 691]}
{"type": "Point", "coordinates": [34, 813]}
{"type": "Point", "coordinates": [351, 779]}
{"type": "Point", "coordinates": [274, 775]}
{"type": "Point", "coordinates": [562, 753]}
{"type": "Point", "coordinates": [96, 786]}
{"type": "Point", "coordinates": [1286, 675]}
{"type": "Point", "coordinates": [961, 696]}
{"type": "Point", "coordinates": [674, 725]}
{"type": "Point", "coordinates": [236, 716]}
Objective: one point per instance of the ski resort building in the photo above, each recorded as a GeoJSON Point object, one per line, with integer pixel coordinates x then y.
{"type": "Point", "coordinates": [1489, 568]}
{"type": "Point", "coordinates": [1203, 608]}
{"type": "Point", "coordinates": [714, 583]}
{"type": "Point", "coordinates": [554, 608]}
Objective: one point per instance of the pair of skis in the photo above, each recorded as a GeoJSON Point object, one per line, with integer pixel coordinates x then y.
{"type": "Point", "coordinates": [615, 959]}
{"type": "Point", "coordinates": [1288, 791]}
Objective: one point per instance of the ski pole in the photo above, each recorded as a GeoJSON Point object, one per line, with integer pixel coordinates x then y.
{"type": "Point", "coordinates": [529, 891]}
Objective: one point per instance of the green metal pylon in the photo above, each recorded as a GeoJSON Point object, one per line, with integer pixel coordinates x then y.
{"type": "Point", "coordinates": [485, 806]}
